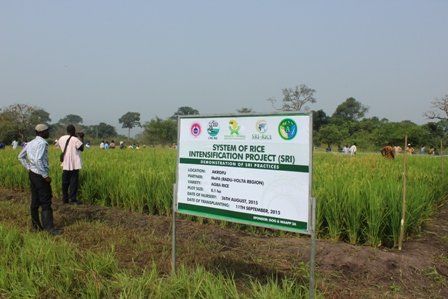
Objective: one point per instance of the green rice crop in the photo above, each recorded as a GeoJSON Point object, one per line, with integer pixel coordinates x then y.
{"type": "Point", "coordinates": [39, 266]}
{"type": "Point", "coordinates": [358, 198]}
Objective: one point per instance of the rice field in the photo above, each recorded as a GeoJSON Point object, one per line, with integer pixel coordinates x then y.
{"type": "Point", "coordinates": [62, 270]}
{"type": "Point", "coordinates": [359, 198]}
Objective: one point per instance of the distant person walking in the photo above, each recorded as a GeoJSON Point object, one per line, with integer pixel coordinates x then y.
{"type": "Point", "coordinates": [34, 157]}
{"type": "Point", "coordinates": [14, 144]}
{"type": "Point", "coordinates": [71, 147]}
{"type": "Point", "coordinates": [422, 150]}
{"type": "Point", "coordinates": [388, 152]}
{"type": "Point", "coordinates": [353, 149]}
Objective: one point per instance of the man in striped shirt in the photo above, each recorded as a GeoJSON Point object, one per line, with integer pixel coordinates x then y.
{"type": "Point", "coordinates": [34, 157]}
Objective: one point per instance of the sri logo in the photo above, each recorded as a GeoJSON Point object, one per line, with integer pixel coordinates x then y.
{"type": "Point", "coordinates": [262, 126]}
{"type": "Point", "coordinates": [213, 128]}
{"type": "Point", "coordinates": [287, 129]}
{"type": "Point", "coordinates": [234, 128]}
{"type": "Point", "coordinates": [195, 129]}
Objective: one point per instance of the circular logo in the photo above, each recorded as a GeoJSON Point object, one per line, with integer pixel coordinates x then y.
{"type": "Point", "coordinates": [287, 129]}
{"type": "Point", "coordinates": [196, 129]}
{"type": "Point", "coordinates": [213, 128]}
{"type": "Point", "coordinates": [262, 126]}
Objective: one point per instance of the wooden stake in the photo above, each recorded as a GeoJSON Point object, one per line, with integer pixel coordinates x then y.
{"type": "Point", "coordinates": [403, 211]}
{"type": "Point", "coordinates": [441, 156]}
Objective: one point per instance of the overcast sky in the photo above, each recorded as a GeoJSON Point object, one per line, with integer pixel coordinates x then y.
{"type": "Point", "coordinates": [100, 59]}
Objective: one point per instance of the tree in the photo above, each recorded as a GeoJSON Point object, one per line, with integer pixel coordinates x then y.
{"type": "Point", "coordinates": [7, 133]}
{"type": "Point", "coordinates": [351, 110]}
{"type": "Point", "coordinates": [332, 134]}
{"type": "Point", "coordinates": [159, 131]}
{"type": "Point", "coordinates": [295, 99]}
{"type": "Point", "coordinates": [19, 120]}
{"type": "Point", "coordinates": [184, 110]}
{"type": "Point", "coordinates": [129, 121]}
{"type": "Point", "coordinates": [320, 119]}
{"type": "Point", "coordinates": [40, 116]}
{"type": "Point", "coordinates": [102, 130]}
{"type": "Point", "coordinates": [440, 107]}
{"type": "Point", "coordinates": [71, 119]}
{"type": "Point", "coordinates": [244, 110]}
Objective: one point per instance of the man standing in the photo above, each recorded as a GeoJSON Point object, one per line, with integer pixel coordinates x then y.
{"type": "Point", "coordinates": [353, 149]}
{"type": "Point", "coordinates": [34, 157]}
{"type": "Point", "coordinates": [14, 144]}
{"type": "Point", "coordinates": [71, 147]}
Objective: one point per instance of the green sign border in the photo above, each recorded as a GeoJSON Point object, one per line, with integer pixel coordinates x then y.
{"type": "Point", "coordinates": [244, 218]}
{"type": "Point", "coordinates": [281, 114]}
{"type": "Point", "coordinates": [271, 166]}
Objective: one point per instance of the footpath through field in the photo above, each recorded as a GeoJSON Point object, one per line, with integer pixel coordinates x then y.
{"type": "Point", "coordinates": [344, 270]}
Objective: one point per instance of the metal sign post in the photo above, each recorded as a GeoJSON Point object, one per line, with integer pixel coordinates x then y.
{"type": "Point", "coordinates": [313, 249]}
{"type": "Point", "coordinates": [173, 231]}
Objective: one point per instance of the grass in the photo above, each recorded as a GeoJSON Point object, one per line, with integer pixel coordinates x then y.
{"type": "Point", "coordinates": [39, 266]}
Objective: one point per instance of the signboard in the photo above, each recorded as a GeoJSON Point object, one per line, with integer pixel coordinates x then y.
{"type": "Point", "coordinates": [251, 169]}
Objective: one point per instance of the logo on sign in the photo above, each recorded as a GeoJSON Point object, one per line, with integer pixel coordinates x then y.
{"type": "Point", "coordinates": [213, 129]}
{"type": "Point", "coordinates": [287, 129]}
{"type": "Point", "coordinates": [234, 129]}
{"type": "Point", "coordinates": [262, 127]}
{"type": "Point", "coordinates": [196, 129]}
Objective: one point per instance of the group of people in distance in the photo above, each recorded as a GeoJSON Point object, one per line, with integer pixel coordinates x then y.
{"type": "Point", "coordinates": [389, 151]}
{"type": "Point", "coordinates": [350, 150]}
{"type": "Point", "coordinates": [34, 157]}
{"type": "Point", "coordinates": [346, 150]}
{"type": "Point", "coordinates": [14, 144]}
{"type": "Point", "coordinates": [106, 145]}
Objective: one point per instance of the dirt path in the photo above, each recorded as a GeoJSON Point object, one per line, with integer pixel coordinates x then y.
{"type": "Point", "coordinates": [419, 271]}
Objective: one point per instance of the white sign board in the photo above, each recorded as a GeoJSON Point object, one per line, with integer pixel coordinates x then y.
{"type": "Point", "coordinates": [252, 169]}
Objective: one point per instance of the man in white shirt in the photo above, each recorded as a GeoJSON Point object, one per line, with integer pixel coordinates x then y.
{"type": "Point", "coordinates": [71, 147]}
{"type": "Point", "coordinates": [14, 144]}
{"type": "Point", "coordinates": [34, 157]}
{"type": "Point", "coordinates": [353, 149]}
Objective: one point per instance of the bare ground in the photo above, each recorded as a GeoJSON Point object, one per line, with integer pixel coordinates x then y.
{"type": "Point", "coordinates": [420, 270]}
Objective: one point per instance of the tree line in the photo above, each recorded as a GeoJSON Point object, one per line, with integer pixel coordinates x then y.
{"type": "Point", "coordinates": [348, 124]}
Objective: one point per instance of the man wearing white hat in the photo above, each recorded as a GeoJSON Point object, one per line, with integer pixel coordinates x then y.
{"type": "Point", "coordinates": [34, 157]}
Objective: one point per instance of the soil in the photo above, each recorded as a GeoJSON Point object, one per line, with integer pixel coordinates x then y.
{"type": "Point", "coordinates": [420, 270]}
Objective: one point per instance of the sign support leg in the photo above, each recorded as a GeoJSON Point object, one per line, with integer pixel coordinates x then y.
{"type": "Point", "coordinates": [313, 249]}
{"type": "Point", "coordinates": [173, 231]}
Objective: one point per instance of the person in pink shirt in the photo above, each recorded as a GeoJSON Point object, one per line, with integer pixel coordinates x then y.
{"type": "Point", "coordinates": [71, 146]}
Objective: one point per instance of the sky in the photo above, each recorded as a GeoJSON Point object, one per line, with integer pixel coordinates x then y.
{"type": "Point", "coordinates": [101, 59]}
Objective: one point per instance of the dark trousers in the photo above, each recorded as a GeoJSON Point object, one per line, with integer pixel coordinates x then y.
{"type": "Point", "coordinates": [40, 197]}
{"type": "Point", "coordinates": [70, 182]}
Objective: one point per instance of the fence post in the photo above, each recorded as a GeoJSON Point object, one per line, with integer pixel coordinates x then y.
{"type": "Point", "coordinates": [441, 156]}
{"type": "Point", "coordinates": [403, 211]}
